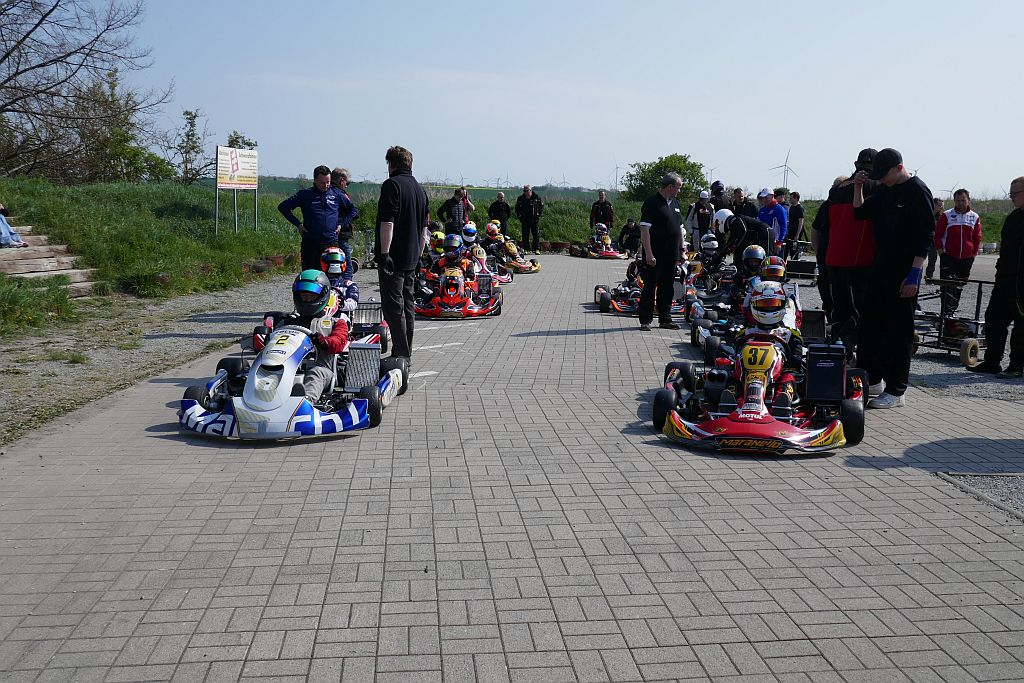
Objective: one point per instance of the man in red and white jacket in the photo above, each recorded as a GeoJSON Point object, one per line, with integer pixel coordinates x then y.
{"type": "Point", "coordinates": [957, 240]}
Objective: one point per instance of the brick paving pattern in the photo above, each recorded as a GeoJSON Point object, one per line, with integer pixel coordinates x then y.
{"type": "Point", "coordinates": [513, 518]}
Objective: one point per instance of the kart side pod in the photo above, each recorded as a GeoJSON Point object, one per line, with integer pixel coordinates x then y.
{"type": "Point", "coordinates": [826, 372]}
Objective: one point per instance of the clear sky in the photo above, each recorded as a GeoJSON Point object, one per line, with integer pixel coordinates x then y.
{"type": "Point", "coordinates": [541, 91]}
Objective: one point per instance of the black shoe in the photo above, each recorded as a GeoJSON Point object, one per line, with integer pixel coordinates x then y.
{"type": "Point", "coordinates": [1011, 373]}
{"type": "Point", "coordinates": [986, 369]}
{"type": "Point", "coordinates": [645, 327]}
{"type": "Point", "coordinates": [668, 326]}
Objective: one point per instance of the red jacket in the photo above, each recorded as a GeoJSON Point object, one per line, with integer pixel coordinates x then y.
{"type": "Point", "coordinates": [958, 234]}
{"type": "Point", "coordinates": [851, 242]}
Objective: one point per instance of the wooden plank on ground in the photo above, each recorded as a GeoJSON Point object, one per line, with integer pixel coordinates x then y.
{"type": "Point", "coordinates": [32, 265]}
{"type": "Point", "coordinates": [15, 254]}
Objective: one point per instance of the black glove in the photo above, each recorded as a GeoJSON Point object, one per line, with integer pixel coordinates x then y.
{"type": "Point", "coordinates": [318, 339]}
{"type": "Point", "coordinates": [387, 265]}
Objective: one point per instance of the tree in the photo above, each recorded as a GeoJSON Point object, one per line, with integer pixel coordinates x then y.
{"type": "Point", "coordinates": [645, 178]}
{"type": "Point", "coordinates": [240, 141]}
{"type": "Point", "coordinates": [52, 57]}
{"type": "Point", "coordinates": [188, 149]}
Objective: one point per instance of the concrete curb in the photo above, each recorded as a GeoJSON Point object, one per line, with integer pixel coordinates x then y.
{"type": "Point", "coordinates": [984, 497]}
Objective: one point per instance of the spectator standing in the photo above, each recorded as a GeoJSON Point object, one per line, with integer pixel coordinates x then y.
{"type": "Point", "coordinates": [902, 213]}
{"type": "Point", "coordinates": [718, 199]}
{"type": "Point", "coordinates": [323, 209]}
{"type": "Point", "coordinates": [780, 197]}
{"type": "Point", "coordinates": [937, 209]}
{"type": "Point", "coordinates": [1006, 305]}
{"type": "Point", "coordinates": [774, 214]}
{"type": "Point", "coordinates": [850, 254]}
{"type": "Point", "coordinates": [602, 211]}
{"type": "Point", "coordinates": [819, 243]}
{"type": "Point", "coordinates": [529, 209]}
{"type": "Point", "coordinates": [455, 211]}
{"type": "Point", "coordinates": [698, 217]}
{"type": "Point", "coordinates": [400, 235]}
{"type": "Point", "coordinates": [957, 242]}
{"type": "Point", "coordinates": [661, 234]}
{"type": "Point", "coordinates": [795, 219]}
{"type": "Point", "coordinates": [741, 206]}
{"type": "Point", "coordinates": [500, 211]}
{"type": "Point", "coordinates": [340, 179]}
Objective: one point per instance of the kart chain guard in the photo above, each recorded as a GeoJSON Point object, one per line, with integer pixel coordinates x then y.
{"type": "Point", "coordinates": [363, 366]}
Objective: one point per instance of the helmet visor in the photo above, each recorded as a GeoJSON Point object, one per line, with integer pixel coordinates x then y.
{"type": "Point", "coordinates": [314, 288]}
{"type": "Point", "coordinates": [768, 305]}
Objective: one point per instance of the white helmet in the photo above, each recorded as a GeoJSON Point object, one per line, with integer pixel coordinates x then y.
{"type": "Point", "coordinates": [721, 216]}
{"type": "Point", "coordinates": [600, 228]}
{"type": "Point", "coordinates": [768, 303]}
{"type": "Point", "coordinates": [708, 244]}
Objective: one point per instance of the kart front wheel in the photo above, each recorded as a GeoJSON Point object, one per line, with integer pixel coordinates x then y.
{"type": "Point", "coordinates": [235, 367]}
{"type": "Point", "coordinates": [605, 302]}
{"type": "Point", "coordinates": [851, 414]}
{"type": "Point", "coordinates": [969, 352]}
{"type": "Point", "coordinates": [687, 373]}
{"type": "Point", "coordinates": [383, 332]}
{"type": "Point", "coordinates": [373, 407]}
{"type": "Point", "coordinates": [198, 394]}
{"type": "Point", "coordinates": [598, 290]}
{"type": "Point", "coordinates": [711, 346]}
{"type": "Point", "coordinates": [396, 363]}
{"type": "Point", "coordinates": [664, 402]}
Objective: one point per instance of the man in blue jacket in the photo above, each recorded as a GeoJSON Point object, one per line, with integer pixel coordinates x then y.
{"type": "Point", "coordinates": [774, 214]}
{"type": "Point", "coordinates": [323, 208]}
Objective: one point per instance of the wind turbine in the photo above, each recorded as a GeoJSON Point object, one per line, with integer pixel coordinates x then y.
{"type": "Point", "coordinates": [952, 189]}
{"type": "Point", "coordinates": [711, 173]}
{"type": "Point", "coordinates": [786, 170]}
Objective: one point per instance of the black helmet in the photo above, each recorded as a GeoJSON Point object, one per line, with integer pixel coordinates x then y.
{"type": "Point", "coordinates": [310, 292]}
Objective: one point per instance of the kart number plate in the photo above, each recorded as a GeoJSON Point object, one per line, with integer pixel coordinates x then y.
{"type": "Point", "coordinates": [451, 314]}
{"type": "Point", "coordinates": [760, 444]}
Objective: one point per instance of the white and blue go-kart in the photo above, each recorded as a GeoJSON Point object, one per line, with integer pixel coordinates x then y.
{"type": "Point", "coordinates": [266, 400]}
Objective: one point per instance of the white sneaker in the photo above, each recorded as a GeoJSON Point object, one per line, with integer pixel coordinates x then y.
{"type": "Point", "coordinates": [887, 400]}
{"type": "Point", "coordinates": [875, 389]}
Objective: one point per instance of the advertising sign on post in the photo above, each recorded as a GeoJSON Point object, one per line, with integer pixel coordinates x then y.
{"type": "Point", "coordinates": [237, 169]}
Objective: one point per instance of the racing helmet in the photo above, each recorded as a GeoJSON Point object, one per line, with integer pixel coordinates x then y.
{"type": "Point", "coordinates": [478, 252]}
{"type": "Point", "coordinates": [311, 292]}
{"type": "Point", "coordinates": [452, 244]}
{"type": "Point", "coordinates": [332, 261]}
{"type": "Point", "coordinates": [753, 257]}
{"type": "Point", "coordinates": [720, 219]}
{"type": "Point", "coordinates": [493, 230]}
{"type": "Point", "coordinates": [437, 242]}
{"type": "Point", "coordinates": [773, 268]}
{"type": "Point", "coordinates": [768, 303]}
{"type": "Point", "coordinates": [708, 244]}
{"type": "Point", "coordinates": [600, 228]}
{"type": "Point", "coordinates": [469, 233]}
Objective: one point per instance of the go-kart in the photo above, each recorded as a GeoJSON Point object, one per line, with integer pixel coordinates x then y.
{"type": "Point", "coordinates": [265, 400]}
{"type": "Point", "coordinates": [700, 408]}
{"type": "Point", "coordinates": [484, 264]}
{"type": "Point", "coordinates": [453, 297]}
{"type": "Point", "coordinates": [625, 298]}
{"type": "Point", "coordinates": [516, 261]}
{"type": "Point", "coordinates": [590, 250]}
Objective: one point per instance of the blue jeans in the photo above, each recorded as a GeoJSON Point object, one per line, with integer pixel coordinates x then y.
{"type": "Point", "coordinates": [347, 248]}
{"type": "Point", "coordinates": [8, 235]}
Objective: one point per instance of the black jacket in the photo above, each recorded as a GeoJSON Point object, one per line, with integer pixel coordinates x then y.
{"type": "Point", "coordinates": [529, 210]}
{"type": "Point", "coordinates": [500, 211]}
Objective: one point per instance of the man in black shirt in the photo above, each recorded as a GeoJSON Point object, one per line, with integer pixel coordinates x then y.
{"type": "Point", "coordinates": [902, 213]}
{"type": "Point", "coordinates": [400, 236]}
{"type": "Point", "coordinates": [717, 198]}
{"type": "Point", "coordinates": [500, 211]}
{"type": "Point", "coordinates": [741, 206]}
{"type": "Point", "coordinates": [661, 234]}
{"type": "Point", "coordinates": [1006, 305]}
{"type": "Point", "coordinates": [795, 226]}
{"type": "Point", "coordinates": [601, 211]}
{"type": "Point", "coordinates": [529, 209]}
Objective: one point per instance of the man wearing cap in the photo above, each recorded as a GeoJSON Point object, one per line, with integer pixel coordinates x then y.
{"type": "Point", "coordinates": [718, 199]}
{"type": "Point", "coordinates": [772, 213]}
{"type": "Point", "coordinates": [698, 217]}
{"type": "Point", "coordinates": [849, 253]}
{"type": "Point", "coordinates": [901, 209]}
{"type": "Point", "coordinates": [741, 206]}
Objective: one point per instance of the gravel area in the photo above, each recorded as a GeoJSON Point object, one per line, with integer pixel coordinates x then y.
{"type": "Point", "coordinates": [120, 340]}
{"type": "Point", "coordinates": [1008, 489]}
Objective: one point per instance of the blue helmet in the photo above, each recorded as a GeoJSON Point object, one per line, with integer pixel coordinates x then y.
{"type": "Point", "coordinates": [469, 233]}
{"type": "Point", "coordinates": [452, 243]}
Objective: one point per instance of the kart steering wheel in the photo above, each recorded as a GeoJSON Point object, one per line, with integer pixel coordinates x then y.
{"type": "Point", "coordinates": [296, 328]}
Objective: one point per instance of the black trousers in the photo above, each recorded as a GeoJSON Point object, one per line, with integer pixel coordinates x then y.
{"type": "Point", "coordinates": [887, 336]}
{"type": "Point", "coordinates": [849, 290]}
{"type": "Point", "coordinates": [932, 254]}
{"type": "Point", "coordinates": [310, 251]}
{"type": "Point", "coordinates": [399, 308]}
{"type": "Point", "coordinates": [661, 280]}
{"type": "Point", "coordinates": [953, 269]}
{"type": "Point", "coordinates": [1004, 309]}
{"type": "Point", "coordinates": [531, 228]}
{"type": "Point", "coordinates": [825, 290]}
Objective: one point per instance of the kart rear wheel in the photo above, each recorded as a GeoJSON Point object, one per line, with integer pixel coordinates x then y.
{"type": "Point", "coordinates": [664, 401]}
{"type": "Point", "coordinates": [605, 302]}
{"type": "Point", "coordinates": [198, 394]}
{"type": "Point", "coordinates": [711, 315]}
{"type": "Point", "coordinates": [598, 289]}
{"type": "Point", "coordinates": [396, 363]}
{"type": "Point", "coordinates": [383, 332]}
{"type": "Point", "coordinates": [373, 408]}
{"type": "Point", "coordinates": [863, 375]}
{"type": "Point", "coordinates": [354, 262]}
{"type": "Point", "coordinates": [969, 351]}
{"type": "Point", "coordinates": [711, 346]}
{"type": "Point", "coordinates": [235, 367]}
{"type": "Point", "coordinates": [851, 414]}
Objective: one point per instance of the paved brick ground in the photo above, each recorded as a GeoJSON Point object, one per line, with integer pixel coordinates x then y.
{"type": "Point", "coordinates": [513, 518]}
